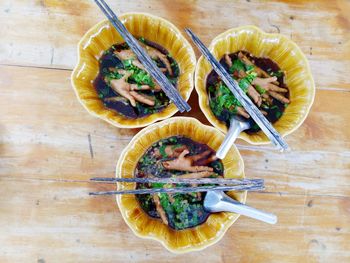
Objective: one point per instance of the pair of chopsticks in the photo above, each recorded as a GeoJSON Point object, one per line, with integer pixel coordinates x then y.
{"type": "Point", "coordinates": [220, 185]}
{"type": "Point", "coordinates": [171, 92]}
{"type": "Point", "coordinates": [246, 102]}
{"type": "Point", "coordinates": [174, 95]}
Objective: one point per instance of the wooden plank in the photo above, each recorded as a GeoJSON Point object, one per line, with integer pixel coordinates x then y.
{"type": "Point", "coordinates": [50, 138]}
{"type": "Point", "coordinates": [54, 221]}
{"type": "Point", "coordinates": [45, 33]}
{"type": "Point", "coordinates": [46, 137]}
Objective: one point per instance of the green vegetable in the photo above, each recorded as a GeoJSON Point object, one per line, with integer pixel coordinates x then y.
{"type": "Point", "coordinates": [265, 106]}
{"type": "Point", "coordinates": [277, 74]}
{"type": "Point", "coordinates": [211, 89]}
{"type": "Point", "coordinates": [164, 200]}
{"type": "Point", "coordinates": [237, 65]}
{"type": "Point", "coordinates": [142, 39]}
{"type": "Point", "coordinates": [260, 89]}
{"type": "Point", "coordinates": [147, 160]}
{"type": "Point", "coordinates": [128, 64]}
{"type": "Point", "coordinates": [215, 107]}
{"type": "Point", "coordinates": [174, 66]}
{"type": "Point", "coordinates": [139, 76]}
{"type": "Point", "coordinates": [278, 114]}
{"type": "Point", "coordinates": [183, 210]}
{"type": "Point", "coordinates": [112, 75]}
{"type": "Point", "coordinates": [157, 185]}
{"type": "Point", "coordinates": [249, 68]}
{"type": "Point", "coordinates": [226, 100]}
{"type": "Point", "coordinates": [255, 127]}
{"type": "Point", "coordinates": [103, 92]}
{"type": "Point", "coordinates": [247, 81]}
{"type": "Point", "coordinates": [162, 151]}
{"type": "Point", "coordinates": [173, 139]}
{"type": "Point", "coordinates": [173, 80]}
{"type": "Point", "coordinates": [218, 167]}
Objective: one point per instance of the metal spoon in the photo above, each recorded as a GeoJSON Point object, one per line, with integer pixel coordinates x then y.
{"type": "Point", "coordinates": [237, 125]}
{"type": "Point", "coordinates": [218, 201]}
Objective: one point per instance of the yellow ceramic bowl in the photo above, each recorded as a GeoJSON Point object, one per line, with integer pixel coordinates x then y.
{"type": "Point", "coordinates": [280, 49]}
{"type": "Point", "coordinates": [144, 226]}
{"type": "Point", "coordinates": [102, 36]}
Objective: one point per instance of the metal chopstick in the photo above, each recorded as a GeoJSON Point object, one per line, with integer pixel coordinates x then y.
{"type": "Point", "coordinates": [248, 105]}
{"type": "Point", "coordinates": [251, 187]}
{"type": "Point", "coordinates": [172, 93]}
{"type": "Point", "coordinates": [177, 180]}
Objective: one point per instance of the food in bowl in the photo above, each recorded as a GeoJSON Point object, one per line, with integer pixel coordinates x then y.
{"type": "Point", "coordinates": [194, 135]}
{"type": "Point", "coordinates": [291, 62]}
{"type": "Point", "coordinates": [182, 157]}
{"type": "Point", "coordinates": [125, 86]}
{"type": "Point", "coordinates": [260, 78]}
{"type": "Point", "coordinates": [159, 35]}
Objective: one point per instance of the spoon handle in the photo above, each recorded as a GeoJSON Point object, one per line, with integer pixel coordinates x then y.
{"type": "Point", "coordinates": [230, 205]}
{"type": "Point", "coordinates": [230, 138]}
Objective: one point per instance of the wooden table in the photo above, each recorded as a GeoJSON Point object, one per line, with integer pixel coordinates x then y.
{"type": "Point", "coordinates": [50, 146]}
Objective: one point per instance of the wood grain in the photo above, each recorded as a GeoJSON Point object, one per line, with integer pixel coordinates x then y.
{"type": "Point", "coordinates": [50, 146]}
{"type": "Point", "coordinates": [60, 221]}
{"type": "Point", "coordinates": [46, 133]}
{"type": "Point", "coordinates": [320, 28]}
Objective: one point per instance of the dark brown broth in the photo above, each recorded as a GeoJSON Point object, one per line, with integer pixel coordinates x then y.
{"type": "Point", "coordinates": [149, 164]}
{"type": "Point", "coordinates": [267, 65]}
{"type": "Point", "coordinates": [123, 107]}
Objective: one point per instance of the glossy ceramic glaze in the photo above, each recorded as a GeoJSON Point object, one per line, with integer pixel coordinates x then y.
{"type": "Point", "coordinates": [289, 58]}
{"type": "Point", "coordinates": [102, 36]}
{"type": "Point", "coordinates": [144, 226]}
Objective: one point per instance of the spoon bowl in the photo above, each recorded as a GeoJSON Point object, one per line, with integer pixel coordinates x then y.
{"type": "Point", "coordinates": [237, 125]}
{"type": "Point", "coordinates": [218, 201]}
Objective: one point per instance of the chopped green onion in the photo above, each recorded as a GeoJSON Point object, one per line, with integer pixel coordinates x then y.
{"type": "Point", "coordinates": [260, 89]}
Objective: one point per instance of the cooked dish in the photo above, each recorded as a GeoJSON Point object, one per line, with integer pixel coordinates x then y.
{"type": "Point", "coordinates": [177, 156]}
{"type": "Point", "coordinates": [125, 86]}
{"type": "Point", "coordinates": [260, 78]}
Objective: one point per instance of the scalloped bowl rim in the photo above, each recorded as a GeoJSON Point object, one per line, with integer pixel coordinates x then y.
{"type": "Point", "coordinates": [130, 225]}
{"type": "Point", "coordinates": [263, 33]}
{"type": "Point", "coordinates": [79, 64]}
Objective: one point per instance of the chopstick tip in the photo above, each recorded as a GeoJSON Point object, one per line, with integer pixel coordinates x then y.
{"type": "Point", "coordinates": [188, 31]}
